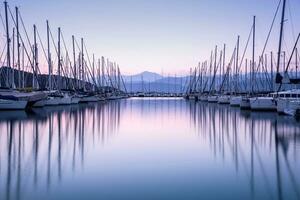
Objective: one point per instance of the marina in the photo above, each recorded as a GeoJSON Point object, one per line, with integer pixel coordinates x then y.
{"type": "Point", "coordinates": [79, 151]}
{"type": "Point", "coordinates": [264, 90]}
{"type": "Point", "coordinates": [149, 100]}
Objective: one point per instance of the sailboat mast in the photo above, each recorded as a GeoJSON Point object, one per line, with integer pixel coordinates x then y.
{"type": "Point", "coordinates": [103, 71]}
{"type": "Point", "coordinates": [18, 47]}
{"type": "Point", "coordinates": [8, 84]}
{"type": "Point", "coordinates": [49, 57]}
{"type": "Point", "coordinates": [23, 66]}
{"type": "Point", "coordinates": [237, 64]}
{"type": "Point", "coordinates": [296, 62]}
{"type": "Point", "coordinates": [82, 64]}
{"type": "Point", "coordinates": [272, 71]}
{"type": "Point", "coordinates": [35, 61]}
{"type": "Point", "coordinates": [99, 73]}
{"type": "Point", "coordinates": [59, 60]}
{"type": "Point", "coordinates": [223, 65]}
{"type": "Point", "coordinates": [74, 60]}
{"type": "Point", "coordinates": [280, 36]}
{"type": "Point", "coordinates": [253, 55]}
{"type": "Point", "coordinates": [215, 68]}
{"type": "Point", "coordinates": [93, 71]}
{"type": "Point", "coordinates": [13, 60]}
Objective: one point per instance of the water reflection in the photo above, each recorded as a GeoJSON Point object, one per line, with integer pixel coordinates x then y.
{"type": "Point", "coordinates": [38, 148]}
{"type": "Point", "coordinates": [264, 147]}
{"type": "Point", "coordinates": [45, 152]}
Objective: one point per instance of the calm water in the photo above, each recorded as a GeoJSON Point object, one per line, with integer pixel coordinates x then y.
{"type": "Point", "coordinates": [148, 149]}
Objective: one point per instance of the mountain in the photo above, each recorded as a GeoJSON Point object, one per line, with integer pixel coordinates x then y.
{"type": "Point", "coordinates": [150, 81]}
{"type": "Point", "coordinates": [146, 76]}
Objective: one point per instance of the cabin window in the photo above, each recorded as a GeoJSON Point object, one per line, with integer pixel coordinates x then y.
{"type": "Point", "coordinates": [287, 95]}
{"type": "Point", "coordinates": [294, 95]}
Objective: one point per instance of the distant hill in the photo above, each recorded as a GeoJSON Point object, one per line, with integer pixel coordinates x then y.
{"type": "Point", "coordinates": [146, 76]}
{"type": "Point", "coordinates": [154, 82]}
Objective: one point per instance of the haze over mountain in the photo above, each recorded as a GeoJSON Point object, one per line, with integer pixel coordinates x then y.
{"type": "Point", "coordinates": [145, 76]}
{"type": "Point", "coordinates": [149, 81]}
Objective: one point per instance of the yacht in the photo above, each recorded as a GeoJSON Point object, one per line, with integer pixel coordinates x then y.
{"type": "Point", "coordinates": [55, 98]}
{"type": "Point", "coordinates": [89, 98]}
{"type": "Point", "coordinates": [10, 104]}
{"type": "Point", "coordinates": [224, 99]}
{"type": "Point", "coordinates": [75, 99]}
{"type": "Point", "coordinates": [266, 103]}
{"type": "Point", "coordinates": [31, 97]}
{"type": "Point", "coordinates": [203, 97]}
{"type": "Point", "coordinates": [293, 108]}
{"type": "Point", "coordinates": [141, 94]}
{"type": "Point", "coordinates": [212, 99]}
{"type": "Point", "coordinates": [192, 97]}
{"type": "Point", "coordinates": [245, 103]}
{"type": "Point", "coordinates": [285, 98]}
{"type": "Point", "coordinates": [236, 101]}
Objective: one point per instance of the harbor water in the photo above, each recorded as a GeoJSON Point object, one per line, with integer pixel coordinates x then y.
{"type": "Point", "coordinates": [148, 148]}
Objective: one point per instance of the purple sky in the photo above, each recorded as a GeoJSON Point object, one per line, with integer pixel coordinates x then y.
{"type": "Point", "coordinates": [159, 35]}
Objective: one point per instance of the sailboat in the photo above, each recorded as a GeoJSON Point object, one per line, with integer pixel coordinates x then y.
{"type": "Point", "coordinates": [224, 98]}
{"type": "Point", "coordinates": [269, 102]}
{"type": "Point", "coordinates": [8, 101]}
{"type": "Point", "coordinates": [235, 98]}
{"type": "Point", "coordinates": [245, 101]}
{"type": "Point", "coordinates": [212, 97]}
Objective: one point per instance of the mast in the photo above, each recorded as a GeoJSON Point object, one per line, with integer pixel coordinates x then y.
{"type": "Point", "coordinates": [59, 60]}
{"type": "Point", "coordinates": [253, 55]}
{"type": "Point", "coordinates": [23, 66]}
{"type": "Point", "coordinates": [103, 72]}
{"type": "Point", "coordinates": [272, 71]}
{"type": "Point", "coordinates": [49, 57]}
{"type": "Point", "coordinates": [237, 64]}
{"type": "Point", "coordinates": [296, 63]}
{"type": "Point", "coordinates": [74, 60]}
{"type": "Point", "coordinates": [223, 65]}
{"type": "Point", "coordinates": [13, 60]}
{"type": "Point", "coordinates": [8, 83]}
{"type": "Point", "coordinates": [99, 73]}
{"type": "Point", "coordinates": [215, 67]}
{"type": "Point", "coordinates": [119, 78]}
{"type": "Point", "coordinates": [93, 71]}
{"type": "Point", "coordinates": [18, 47]}
{"type": "Point", "coordinates": [82, 64]}
{"type": "Point", "coordinates": [280, 42]}
{"type": "Point", "coordinates": [246, 75]}
{"type": "Point", "coordinates": [35, 59]}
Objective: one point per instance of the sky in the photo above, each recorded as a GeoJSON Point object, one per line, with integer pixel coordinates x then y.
{"type": "Point", "coordinates": [164, 36]}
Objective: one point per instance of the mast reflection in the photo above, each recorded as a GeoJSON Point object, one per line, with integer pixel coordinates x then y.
{"type": "Point", "coordinates": [55, 143]}
{"type": "Point", "coordinates": [247, 138]}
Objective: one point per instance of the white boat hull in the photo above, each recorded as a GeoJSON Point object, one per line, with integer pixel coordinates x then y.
{"type": "Point", "coordinates": [52, 101]}
{"type": "Point", "coordinates": [203, 98]}
{"type": "Point", "coordinates": [236, 101]}
{"type": "Point", "coordinates": [212, 99]}
{"type": "Point", "coordinates": [75, 100]}
{"type": "Point", "coordinates": [12, 104]}
{"type": "Point", "coordinates": [224, 99]}
{"type": "Point", "coordinates": [40, 103]}
{"type": "Point", "coordinates": [283, 103]}
{"type": "Point", "coordinates": [263, 104]}
{"type": "Point", "coordinates": [65, 100]}
{"type": "Point", "coordinates": [292, 107]}
{"type": "Point", "coordinates": [245, 103]}
{"type": "Point", "coordinates": [89, 99]}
